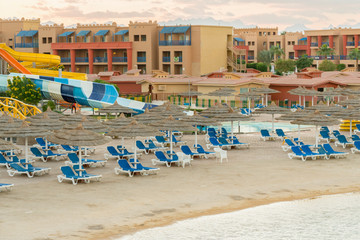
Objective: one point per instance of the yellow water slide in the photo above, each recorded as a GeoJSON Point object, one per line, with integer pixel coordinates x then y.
{"type": "Point", "coordinates": [41, 61]}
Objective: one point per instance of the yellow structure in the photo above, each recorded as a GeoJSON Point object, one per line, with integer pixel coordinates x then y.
{"type": "Point", "coordinates": [17, 109]}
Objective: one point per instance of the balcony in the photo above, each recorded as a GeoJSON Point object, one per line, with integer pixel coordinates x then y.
{"type": "Point", "coordinates": [26, 45]}
{"type": "Point", "coordinates": [350, 43]}
{"type": "Point", "coordinates": [100, 59]}
{"type": "Point", "coordinates": [344, 57]}
{"type": "Point", "coordinates": [119, 59]}
{"type": "Point", "coordinates": [141, 59]}
{"type": "Point", "coordinates": [166, 59]}
{"type": "Point", "coordinates": [175, 43]}
{"type": "Point", "coordinates": [314, 44]}
{"type": "Point", "coordinates": [325, 43]}
{"type": "Point", "coordinates": [82, 59]}
{"type": "Point", "coordinates": [177, 59]}
{"type": "Point", "coordinates": [65, 60]}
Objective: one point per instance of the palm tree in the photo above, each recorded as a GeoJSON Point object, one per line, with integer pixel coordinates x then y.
{"type": "Point", "coordinates": [324, 50]}
{"type": "Point", "coordinates": [276, 51]}
{"type": "Point", "coordinates": [266, 56]}
{"type": "Point", "coordinates": [355, 54]}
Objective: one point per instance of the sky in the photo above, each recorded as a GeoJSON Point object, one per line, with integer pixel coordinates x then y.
{"type": "Point", "coordinates": [310, 14]}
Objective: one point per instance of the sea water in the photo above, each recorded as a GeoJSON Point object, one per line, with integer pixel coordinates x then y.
{"type": "Point", "coordinates": [327, 217]}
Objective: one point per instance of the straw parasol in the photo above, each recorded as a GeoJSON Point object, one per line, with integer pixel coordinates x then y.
{"type": "Point", "coordinates": [51, 114]}
{"type": "Point", "coordinates": [249, 95]}
{"type": "Point", "coordinates": [148, 117]}
{"type": "Point", "coordinates": [116, 108]}
{"type": "Point", "coordinates": [162, 108]}
{"type": "Point", "coordinates": [191, 94]}
{"type": "Point", "coordinates": [170, 124]}
{"type": "Point", "coordinates": [300, 91]}
{"type": "Point", "coordinates": [25, 131]}
{"type": "Point", "coordinates": [76, 118]}
{"type": "Point", "coordinates": [78, 137]}
{"type": "Point", "coordinates": [272, 109]}
{"type": "Point", "coordinates": [325, 109]}
{"type": "Point", "coordinates": [353, 101]}
{"type": "Point", "coordinates": [133, 130]}
{"type": "Point", "coordinates": [94, 126]}
{"type": "Point", "coordinates": [121, 121]}
{"type": "Point", "coordinates": [215, 111]}
{"type": "Point", "coordinates": [317, 119]}
{"type": "Point", "coordinates": [198, 120]}
{"type": "Point", "coordinates": [350, 113]}
{"type": "Point", "coordinates": [299, 113]}
{"type": "Point", "coordinates": [167, 111]}
{"type": "Point", "coordinates": [5, 145]}
{"type": "Point", "coordinates": [266, 91]}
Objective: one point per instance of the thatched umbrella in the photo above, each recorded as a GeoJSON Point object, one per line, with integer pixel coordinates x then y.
{"type": "Point", "coordinates": [45, 122]}
{"type": "Point", "coordinates": [299, 113]}
{"type": "Point", "coordinates": [133, 130]}
{"type": "Point", "coordinates": [94, 126]}
{"type": "Point", "coordinates": [171, 124]}
{"type": "Point", "coordinates": [5, 118]}
{"type": "Point", "coordinates": [317, 119]}
{"type": "Point", "coordinates": [300, 91]}
{"type": "Point", "coordinates": [215, 111]}
{"type": "Point", "coordinates": [222, 92]}
{"type": "Point", "coordinates": [198, 120]}
{"type": "Point", "coordinates": [249, 95]}
{"type": "Point", "coordinates": [116, 108]}
{"type": "Point", "coordinates": [350, 113]}
{"type": "Point", "coordinates": [190, 94]}
{"type": "Point", "coordinates": [78, 137]}
{"type": "Point", "coordinates": [5, 145]}
{"type": "Point", "coordinates": [167, 111]}
{"type": "Point", "coordinates": [351, 101]}
{"type": "Point", "coordinates": [266, 91]}
{"type": "Point", "coordinates": [148, 117]}
{"type": "Point", "coordinates": [51, 114]}
{"type": "Point", "coordinates": [76, 118]}
{"type": "Point", "coordinates": [25, 131]}
{"type": "Point", "coordinates": [272, 109]}
{"type": "Point", "coordinates": [163, 107]}
{"type": "Point", "coordinates": [325, 109]}
{"type": "Point", "coordinates": [119, 122]}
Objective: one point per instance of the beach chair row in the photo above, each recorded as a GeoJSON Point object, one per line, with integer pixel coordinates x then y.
{"type": "Point", "coordinates": [280, 134]}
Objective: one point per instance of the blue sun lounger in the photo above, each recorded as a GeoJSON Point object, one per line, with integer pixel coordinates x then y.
{"type": "Point", "coordinates": [175, 141]}
{"type": "Point", "coordinates": [124, 151]}
{"type": "Point", "coordinates": [142, 147]}
{"type": "Point", "coordinates": [356, 147]}
{"type": "Point", "coordinates": [355, 137]}
{"type": "Point", "coordinates": [357, 128]}
{"type": "Point", "coordinates": [71, 175]}
{"type": "Point", "coordinates": [200, 149]}
{"type": "Point", "coordinates": [297, 153]}
{"type": "Point", "coordinates": [42, 144]}
{"type": "Point", "coordinates": [324, 135]}
{"type": "Point", "coordinates": [308, 151]}
{"type": "Point", "coordinates": [215, 143]}
{"type": "Point", "coordinates": [85, 174]}
{"type": "Point", "coordinates": [5, 187]}
{"type": "Point", "coordinates": [45, 157]}
{"type": "Point", "coordinates": [74, 159]}
{"type": "Point", "coordinates": [265, 135]}
{"type": "Point", "coordinates": [187, 151]}
{"type": "Point", "coordinates": [147, 170]}
{"type": "Point", "coordinates": [162, 142]}
{"type": "Point", "coordinates": [280, 134]}
{"type": "Point", "coordinates": [161, 158]}
{"type": "Point", "coordinates": [124, 167]}
{"type": "Point", "coordinates": [330, 152]}
{"type": "Point", "coordinates": [342, 141]}
{"type": "Point", "coordinates": [17, 168]}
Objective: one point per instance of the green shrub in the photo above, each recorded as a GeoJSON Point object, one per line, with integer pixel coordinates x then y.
{"type": "Point", "coordinates": [261, 67]}
{"type": "Point", "coordinates": [327, 65]}
{"type": "Point", "coordinates": [24, 90]}
{"type": "Point", "coordinates": [50, 104]}
{"type": "Point", "coordinates": [340, 67]}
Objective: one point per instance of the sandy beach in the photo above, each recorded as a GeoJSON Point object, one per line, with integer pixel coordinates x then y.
{"type": "Point", "coordinates": [42, 208]}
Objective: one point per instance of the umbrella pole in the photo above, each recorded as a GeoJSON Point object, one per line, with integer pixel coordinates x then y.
{"type": "Point", "coordinates": [299, 100]}
{"type": "Point", "coordinates": [196, 136]}
{"type": "Point", "coordinates": [312, 101]}
{"type": "Point", "coordinates": [298, 132]}
{"type": "Point", "coordinates": [232, 131]}
{"type": "Point", "coordinates": [266, 100]}
{"type": "Point", "coordinates": [171, 147]}
{"type": "Point", "coordinates": [80, 161]}
{"type": "Point", "coordinates": [12, 150]}
{"type": "Point", "coordinates": [135, 155]}
{"type": "Point", "coordinates": [239, 127]}
{"type": "Point", "coordinates": [350, 128]}
{"type": "Point", "coordinates": [26, 152]}
{"type": "Point", "coordinates": [249, 106]}
{"type": "Point", "coordinates": [272, 122]}
{"type": "Point", "coordinates": [317, 136]}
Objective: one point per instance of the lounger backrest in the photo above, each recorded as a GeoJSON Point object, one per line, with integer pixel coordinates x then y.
{"type": "Point", "coordinates": [160, 139]}
{"type": "Point", "coordinates": [140, 145]}
{"type": "Point", "coordinates": [336, 133]}
{"type": "Point", "coordinates": [321, 150]}
{"type": "Point", "coordinates": [124, 164]}
{"type": "Point", "coordinates": [76, 168]}
{"type": "Point", "coordinates": [40, 141]}
{"type": "Point", "coordinates": [342, 139]}
{"type": "Point", "coordinates": [174, 156]}
{"type": "Point", "coordinates": [160, 155]}
{"type": "Point", "coordinates": [223, 140]}
{"type": "Point", "coordinates": [306, 149]}
{"type": "Point", "coordinates": [212, 134]}
{"type": "Point", "coordinates": [211, 130]}
{"type": "Point", "coordinates": [73, 157]}
{"type": "Point", "coordinates": [200, 149]}
{"type": "Point", "coordinates": [68, 171]}
{"type": "Point", "coordinates": [3, 159]}
{"type": "Point", "coordinates": [67, 148]}
{"type": "Point", "coordinates": [357, 144]}
{"type": "Point", "coordinates": [264, 133]}
{"type": "Point", "coordinates": [17, 167]}
{"type": "Point", "coordinates": [328, 148]}
{"type": "Point", "coordinates": [185, 149]}
{"type": "Point", "coordinates": [236, 141]}
{"type": "Point", "coordinates": [324, 128]}
{"type": "Point", "coordinates": [174, 139]}
{"type": "Point", "coordinates": [324, 134]}
{"type": "Point", "coordinates": [36, 152]}
{"type": "Point", "coordinates": [112, 150]}
{"type": "Point", "coordinates": [297, 150]}
{"type": "Point", "coordinates": [355, 137]}
{"type": "Point", "coordinates": [357, 126]}
{"type": "Point", "coordinates": [152, 145]}
{"type": "Point", "coordinates": [214, 141]}
{"type": "Point", "coordinates": [280, 132]}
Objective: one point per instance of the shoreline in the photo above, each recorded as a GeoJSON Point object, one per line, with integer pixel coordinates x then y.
{"type": "Point", "coordinates": [169, 220]}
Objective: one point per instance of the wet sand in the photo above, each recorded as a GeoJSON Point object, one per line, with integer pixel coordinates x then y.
{"type": "Point", "coordinates": [42, 208]}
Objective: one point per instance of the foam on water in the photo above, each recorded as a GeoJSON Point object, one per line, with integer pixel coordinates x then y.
{"type": "Point", "coordinates": [327, 217]}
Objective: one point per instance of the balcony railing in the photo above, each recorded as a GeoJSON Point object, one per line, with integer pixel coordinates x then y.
{"type": "Point", "coordinates": [82, 59]}
{"type": "Point", "coordinates": [177, 59]}
{"type": "Point", "coordinates": [175, 43]}
{"type": "Point", "coordinates": [333, 57]}
{"type": "Point", "coordinates": [350, 43]}
{"type": "Point", "coordinates": [250, 57]}
{"type": "Point", "coordinates": [314, 44]}
{"type": "Point", "coordinates": [344, 57]}
{"type": "Point", "coordinates": [166, 59]}
{"type": "Point", "coordinates": [65, 60]}
{"type": "Point", "coordinates": [100, 59]}
{"type": "Point", "coordinates": [141, 59]}
{"type": "Point", "coordinates": [27, 45]}
{"type": "Point", "coordinates": [119, 59]}
{"type": "Point", "coordinates": [325, 43]}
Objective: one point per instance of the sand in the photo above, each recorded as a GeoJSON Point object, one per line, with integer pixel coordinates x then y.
{"type": "Point", "coordinates": [42, 208]}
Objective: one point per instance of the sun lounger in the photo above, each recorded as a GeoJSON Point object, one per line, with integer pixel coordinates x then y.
{"type": "Point", "coordinates": [186, 150]}
{"type": "Point", "coordinates": [342, 141]}
{"type": "Point", "coordinates": [126, 153]}
{"type": "Point", "coordinates": [17, 168]}
{"type": "Point", "coordinates": [42, 144]}
{"type": "Point", "coordinates": [161, 158]}
{"type": "Point", "coordinates": [5, 187]}
{"type": "Point", "coordinates": [325, 128]}
{"type": "Point", "coordinates": [356, 147]}
{"type": "Point", "coordinates": [288, 145]}
{"type": "Point", "coordinates": [162, 142]}
{"type": "Point", "coordinates": [330, 152]}
{"type": "Point", "coordinates": [124, 167]}
{"type": "Point", "coordinates": [308, 151]}
{"type": "Point", "coordinates": [336, 133]}
{"type": "Point", "coordinates": [297, 153]}
{"type": "Point", "coordinates": [71, 175]}
{"type": "Point", "coordinates": [147, 170]}
{"type": "Point", "coordinates": [355, 137]}
{"type": "Point", "coordinates": [85, 174]}
{"type": "Point", "coordinates": [143, 148]}
{"type": "Point", "coordinates": [357, 128]}
{"type": "Point", "coordinates": [265, 135]}
{"type": "Point", "coordinates": [200, 149]}
{"type": "Point", "coordinates": [74, 159]}
{"type": "Point", "coordinates": [215, 143]}
{"type": "Point", "coordinates": [175, 141]}
{"type": "Point", "coordinates": [324, 135]}
{"type": "Point", "coordinates": [68, 149]}
{"type": "Point", "coordinates": [44, 157]}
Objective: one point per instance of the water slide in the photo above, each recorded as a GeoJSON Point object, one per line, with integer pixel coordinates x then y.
{"type": "Point", "coordinates": [41, 61]}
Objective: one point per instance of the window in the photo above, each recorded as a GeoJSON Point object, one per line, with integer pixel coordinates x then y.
{"type": "Point", "coordinates": [289, 43]}
{"type": "Point", "coordinates": [253, 43]}
{"type": "Point", "coordinates": [274, 33]}
{"type": "Point", "coordinates": [10, 39]}
{"type": "Point", "coordinates": [259, 33]}
{"type": "Point", "coordinates": [293, 42]}
{"type": "Point", "coordinates": [136, 38]}
{"type": "Point", "coordinates": [269, 33]}
{"type": "Point", "coordinates": [264, 44]}
{"type": "Point", "coordinates": [143, 38]}
{"type": "Point", "coordinates": [44, 40]}
{"type": "Point", "coordinates": [49, 39]}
